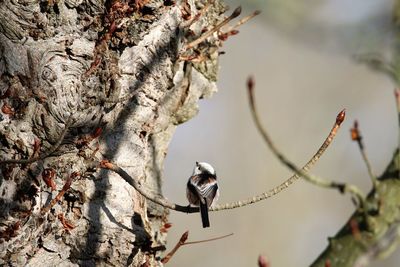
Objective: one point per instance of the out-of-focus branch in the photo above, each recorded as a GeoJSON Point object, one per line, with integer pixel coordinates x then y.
{"type": "Point", "coordinates": [302, 172]}
{"type": "Point", "coordinates": [262, 261]}
{"type": "Point", "coordinates": [373, 237]}
{"type": "Point", "coordinates": [243, 21]}
{"type": "Point", "coordinates": [207, 34]}
{"type": "Point", "coordinates": [397, 98]}
{"type": "Point", "coordinates": [357, 137]}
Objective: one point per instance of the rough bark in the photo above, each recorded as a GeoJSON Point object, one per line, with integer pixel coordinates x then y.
{"type": "Point", "coordinates": [109, 65]}
{"type": "Point", "coordinates": [371, 235]}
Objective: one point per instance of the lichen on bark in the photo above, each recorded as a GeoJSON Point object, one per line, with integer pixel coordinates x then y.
{"type": "Point", "coordinates": [108, 65]}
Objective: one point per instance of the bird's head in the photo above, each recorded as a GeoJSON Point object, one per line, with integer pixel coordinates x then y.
{"type": "Point", "coordinates": [203, 168]}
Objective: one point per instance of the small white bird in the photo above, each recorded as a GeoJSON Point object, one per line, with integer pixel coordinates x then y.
{"type": "Point", "coordinates": [202, 189]}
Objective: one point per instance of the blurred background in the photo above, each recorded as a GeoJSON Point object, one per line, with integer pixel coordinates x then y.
{"type": "Point", "coordinates": [301, 54]}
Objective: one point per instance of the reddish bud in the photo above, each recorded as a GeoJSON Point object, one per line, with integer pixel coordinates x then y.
{"type": "Point", "coordinates": [7, 109]}
{"type": "Point", "coordinates": [184, 237]}
{"type": "Point", "coordinates": [328, 263]}
{"type": "Point", "coordinates": [165, 227]}
{"type": "Point", "coordinates": [36, 147]}
{"type": "Point", "coordinates": [105, 164]}
{"type": "Point", "coordinates": [262, 261]}
{"type": "Point", "coordinates": [223, 36]}
{"type": "Point", "coordinates": [47, 175]}
{"type": "Point", "coordinates": [355, 230]}
{"type": "Point", "coordinates": [97, 132]}
{"type": "Point", "coordinates": [250, 83]}
{"type": "Point", "coordinates": [340, 117]}
{"type": "Point", "coordinates": [66, 224]}
{"type": "Point", "coordinates": [236, 12]}
{"type": "Point", "coordinates": [250, 88]}
{"type": "Point", "coordinates": [355, 133]}
{"type": "Point", "coordinates": [112, 28]}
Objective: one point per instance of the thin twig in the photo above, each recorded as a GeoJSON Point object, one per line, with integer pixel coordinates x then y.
{"type": "Point", "coordinates": [45, 155]}
{"type": "Point", "coordinates": [397, 96]}
{"type": "Point", "coordinates": [357, 137]}
{"type": "Point", "coordinates": [60, 194]}
{"type": "Point", "coordinates": [243, 20]}
{"type": "Point", "coordinates": [208, 240]}
{"type": "Point", "coordinates": [207, 34]}
{"type": "Point", "coordinates": [200, 13]}
{"type": "Point", "coordinates": [181, 242]}
{"type": "Point", "coordinates": [342, 187]}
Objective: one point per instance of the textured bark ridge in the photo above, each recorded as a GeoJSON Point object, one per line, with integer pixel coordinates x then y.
{"type": "Point", "coordinates": [90, 66]}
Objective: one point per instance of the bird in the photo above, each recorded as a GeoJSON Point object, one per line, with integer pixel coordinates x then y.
{"type": "Point", "coordinates": [202, 189]}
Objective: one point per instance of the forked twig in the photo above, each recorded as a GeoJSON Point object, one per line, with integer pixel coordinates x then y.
{"type": "Point", "coordinates": [243, 20]}
{"type": "Point", "coordinates": [207, 34]}
{"type": "Point", "coordinates": [357, 137]}
{"type": "Point", "coordinates": [60, 194]}
{"type": "Point", "coordinates": [45, 155]}
{"type": "Point", "coordinates": [342, 187]}
{"type": "Point", "coordinates": [182, 242]}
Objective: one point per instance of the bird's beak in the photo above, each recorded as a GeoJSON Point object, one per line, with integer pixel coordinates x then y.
{"type": "Point", "coordinates": [197, 163]}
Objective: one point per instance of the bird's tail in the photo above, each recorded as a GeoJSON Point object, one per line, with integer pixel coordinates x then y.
{"type": "Point", "coordinates": [204, 214]}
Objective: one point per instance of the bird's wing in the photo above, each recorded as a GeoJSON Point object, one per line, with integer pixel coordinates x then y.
{"type": "Point", "coordinates": [206, 188]}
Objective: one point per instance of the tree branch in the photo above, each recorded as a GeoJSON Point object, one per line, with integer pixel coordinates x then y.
{"type": "Point", "coordinates": [342, 187]}
{"type": "Point", "coordinates": [241, 203]}
{"type": "Point", "coordinates": [357, 137]}
{"type": "Point", "coordinates": [234, 14]}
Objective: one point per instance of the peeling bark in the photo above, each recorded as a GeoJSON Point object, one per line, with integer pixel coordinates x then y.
{"type": "Point", "coordinates": [107, 66]}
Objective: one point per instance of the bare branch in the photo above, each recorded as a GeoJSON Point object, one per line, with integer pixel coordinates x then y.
{"type": "Point", "coordinates": [181, 242]}
{"type": "Point", "coordinates": [45, 155]}
{"type": "Point", "coordinates": [207, 34]}
{"type": "Point", "coordinates": [160, 200]}
{"type": "Point", "coordinates": [60, 194]}
{"type": "Point", "coordinates": [342, 187]}
{"type": "Point", "coordinates": [356, 136]}
{"type": "Point", "coordinates": [200, 13]}
{"type": "Point", "coordinates": [384, 245]}
{"type": "Point", "coordinates": [241, 203]}
{"type": "Point", "coordinates": [243, 20]}
{"type": "Point", "coordinates": [208, 240]}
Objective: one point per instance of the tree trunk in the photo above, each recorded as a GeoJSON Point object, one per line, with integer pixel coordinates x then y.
{"type": "Point", "coordinates": [82, 81]}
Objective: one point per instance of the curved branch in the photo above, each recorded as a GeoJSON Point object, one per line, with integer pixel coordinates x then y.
{"type": "Point", "coordinates": [167, 204]}
{"type": "Point", "coordinates": [342, 187]}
